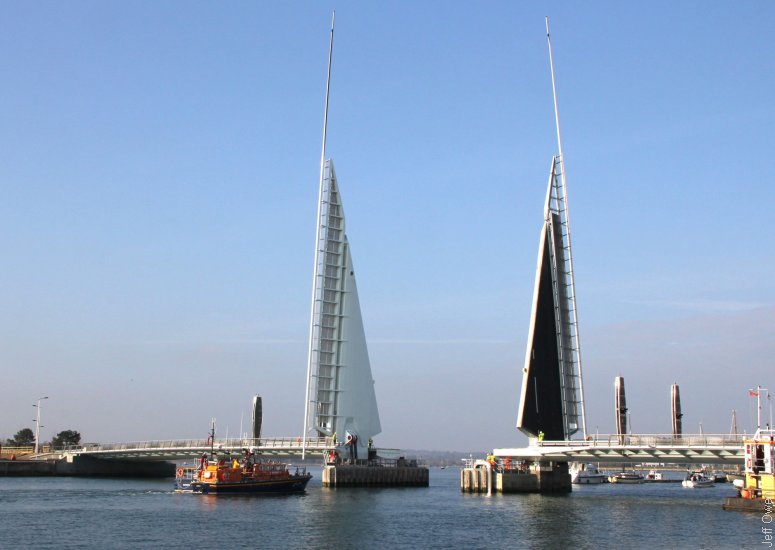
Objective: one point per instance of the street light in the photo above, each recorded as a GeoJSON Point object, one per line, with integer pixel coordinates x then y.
{"type": "Point", "coordinates": [37, 424]}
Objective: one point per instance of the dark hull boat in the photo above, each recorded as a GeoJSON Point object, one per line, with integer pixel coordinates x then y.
{"type": "Point", "coordinates": [296, 483]}
{"type": "Point", "coordinates": [248, 474]}
{"type": "Point", "coordinates": [221, 478]}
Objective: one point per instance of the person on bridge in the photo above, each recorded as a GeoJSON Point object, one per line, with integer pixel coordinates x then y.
{"type": "Point", "coordinates": [352, 442]}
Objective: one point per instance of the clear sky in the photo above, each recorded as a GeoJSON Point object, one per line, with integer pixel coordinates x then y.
{"type": "Point", "coordinates": [159, 167]}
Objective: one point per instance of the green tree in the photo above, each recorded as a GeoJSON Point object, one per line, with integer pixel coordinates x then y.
{"type": "Point", "coordinates": [23, 437]}
{"type": "Point", "coordinates": [65, 438]}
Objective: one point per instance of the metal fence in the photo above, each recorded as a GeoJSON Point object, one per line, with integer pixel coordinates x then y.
{"type": "Point", "coordinates": [648, 440]}
{"type": "Point", "coordinates": [218, 444]}
{"type": "Point", "coordinates": [8, 451]}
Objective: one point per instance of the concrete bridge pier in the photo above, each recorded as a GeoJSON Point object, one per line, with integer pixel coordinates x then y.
{"type": "Point", "coordinates": [483, 476]}
{"type": "Point", "coordinates": [375, 473]}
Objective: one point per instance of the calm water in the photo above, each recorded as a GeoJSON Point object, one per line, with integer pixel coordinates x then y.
{"type": "Point", "coordinates": [116, 513]}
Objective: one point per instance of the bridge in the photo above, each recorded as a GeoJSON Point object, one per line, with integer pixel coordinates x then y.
{"type": "Point", "coordinates": [551, 409]}
{"type": "Point", "coordinates": [183, 449]}
{"type": "Point", "coordinates": [645, 448]}
{"type": "Point", "coordinates": [341, 413]}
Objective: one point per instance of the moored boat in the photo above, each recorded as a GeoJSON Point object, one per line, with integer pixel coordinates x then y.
{"type": "Point", "coordinates": [757, 493]}
{"type": "Point", "coordinates": [626, 477]}
{"type": "Point", "coordinates": [653, 475]}
{"type": "Point", "coordinates": [719, 477]}
{"type": "Point", "coordinates": [735, 476]}
{"type": "Point", "coordinates": [586, 474]}
{"type": "Point", "coordinates": [697, 480]}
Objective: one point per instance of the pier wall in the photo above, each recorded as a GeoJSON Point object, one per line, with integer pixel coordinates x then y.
{"type": "Point", "coordinates": [516, 482]}
{"type": "Point", "coordinates": [87, 466]}
{"type": "Point", "coordinates": [27, 467]}
{"type": "Point", "coordinates": [346, 475]}
{"type": "Point", "coordinates": [554, 478]}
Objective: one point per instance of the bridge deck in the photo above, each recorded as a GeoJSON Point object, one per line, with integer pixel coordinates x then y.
{"type": "Point", "coordinates": [651, 448]}
{"type": "Point", "coordinates": [182, 449]}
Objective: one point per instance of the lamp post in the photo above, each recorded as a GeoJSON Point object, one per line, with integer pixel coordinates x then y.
{"type": "Point", "coordinates": [37, 424]}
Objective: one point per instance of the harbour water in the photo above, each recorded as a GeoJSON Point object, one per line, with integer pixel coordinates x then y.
{"type": "Point", "coordinates": [47, 512]}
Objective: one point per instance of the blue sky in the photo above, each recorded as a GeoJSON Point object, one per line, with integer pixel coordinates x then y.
{"type": "Point", "coordinates": [159, 166]}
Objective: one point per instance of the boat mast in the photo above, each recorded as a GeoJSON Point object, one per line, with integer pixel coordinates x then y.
{"type": "Point", "coordinates": [317, 244]}
{"type": "Point", "coordinates": [212, 437]}
{"type": "Point", "coordinates": [758, 394]}
{"type": "Point", "coordinates": [759, 407]}
{"type": "Point", "coordinates": [567, 220]}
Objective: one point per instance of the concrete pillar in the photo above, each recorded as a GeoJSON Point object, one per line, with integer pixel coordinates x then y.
{"type": "Point", "coordinates": [347, 475]}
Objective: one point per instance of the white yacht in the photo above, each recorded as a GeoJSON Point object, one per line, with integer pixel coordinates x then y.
{"type": "Point", "coordinates": [586, 474]}
{"type": "Point", "coordinates": [696, 480]}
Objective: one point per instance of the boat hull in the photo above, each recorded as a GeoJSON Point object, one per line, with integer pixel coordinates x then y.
{"type": "Point", "coordinates": [698, 484]}
{"type": "Point", "coordinates": [626, 479]}
{"type": "Point", "coordinates": [293, 484]}
{"type": "Point", "coordinates": [740, 504]}
{"type": "Point", "coordinates": [589, 480]}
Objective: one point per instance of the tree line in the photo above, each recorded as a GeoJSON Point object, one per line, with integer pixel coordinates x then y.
{"type": "Point", "coordinates": [26, 437]}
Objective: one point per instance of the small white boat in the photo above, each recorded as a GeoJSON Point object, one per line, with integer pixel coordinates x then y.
{"type": "Point", "coordinates": [586, 474]}
{"type": "Point", "coordinates": [735, 476]}
{"type": "Point", "coordinates": [696, 480]}
{"type": "Point", "coordinates": [626, 477]}
{"type": "Point", "coordinates": [653, 475]}
{"type": "Point", "coordinates": [718, 477]}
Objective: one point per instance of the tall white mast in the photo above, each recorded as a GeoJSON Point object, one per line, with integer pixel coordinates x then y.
{"type": "Point", "coordinates": [317, 241]}
{"type": "Point", "coordinates": [554, 96]}
{"type": "Point", "coordinates": [758, 393]}
{"type": "Point", "coordinates": [567, 220]}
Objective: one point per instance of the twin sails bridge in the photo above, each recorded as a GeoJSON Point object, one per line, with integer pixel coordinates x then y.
{"type": "Point", "coordinates": [551, 406]}
{"type": "Point", "coordinates": [340, 408]}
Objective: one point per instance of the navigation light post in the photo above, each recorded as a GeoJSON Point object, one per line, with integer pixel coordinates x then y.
{"type": "Point", "coordinates": [37, 424]}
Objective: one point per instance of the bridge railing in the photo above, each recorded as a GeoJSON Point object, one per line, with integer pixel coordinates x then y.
{"type": "Point", "coordinates": [647, 440]}
{"type": "Point", "coordinates": [8, 451]}
{"type": "Point", "coordinates": [231, 443]}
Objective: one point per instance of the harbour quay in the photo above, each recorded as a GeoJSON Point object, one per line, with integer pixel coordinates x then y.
{"type": "Point", "coordinates": [87, 466]}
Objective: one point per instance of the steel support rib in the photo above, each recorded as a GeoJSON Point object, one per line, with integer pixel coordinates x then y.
{"type": "Point", "coordinates": [577, 342]}
{"type": "Point", "coordinates": [317, 243]}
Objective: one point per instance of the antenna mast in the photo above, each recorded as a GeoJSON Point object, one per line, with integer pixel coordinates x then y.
{"type": "Point", "coordinates": [328, 88]}
{"type": "Point", "coordinates": [554, 96]}
{"type": "Point", "coordinates": [317, 242]}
